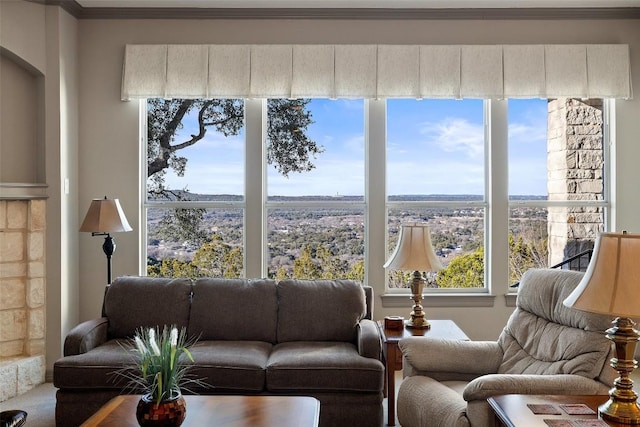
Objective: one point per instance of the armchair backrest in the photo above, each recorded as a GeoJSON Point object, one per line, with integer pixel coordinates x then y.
{"type": "Point", "coordinates": [543, 336]}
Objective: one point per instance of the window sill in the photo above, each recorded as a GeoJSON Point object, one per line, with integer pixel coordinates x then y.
{"type": "Point", "coordinates": [440, 300]}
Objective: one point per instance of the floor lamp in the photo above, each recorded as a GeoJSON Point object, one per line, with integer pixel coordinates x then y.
{"type": "Point", "coordinates": [414, 252]}
{"type": "Point", "coordinates": [106, 216]}
{"type": "Point", "coordinates": [611, 286]}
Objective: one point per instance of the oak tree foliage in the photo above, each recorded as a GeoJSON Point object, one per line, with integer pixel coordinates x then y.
{"type": "Point", "coordinates": [289, 148]}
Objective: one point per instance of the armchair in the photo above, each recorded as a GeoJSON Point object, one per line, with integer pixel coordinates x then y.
{"type": "Point", "coordinates": [545, 348]}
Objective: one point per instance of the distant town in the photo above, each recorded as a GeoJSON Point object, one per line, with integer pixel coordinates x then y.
{"type": "Point", "coordinates": [340, 231]}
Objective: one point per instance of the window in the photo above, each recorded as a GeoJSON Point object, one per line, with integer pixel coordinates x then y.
{"type": "Point", "coordinates": [557, 191]}
{"type": "Point", "coordinates": [279, 188]}
{"type": "Point", "coordinates": [315, 217]}
{"type": "Point", "coordinates": [195, 187]}
{"type": "Point", "coordinates": [436, 175]}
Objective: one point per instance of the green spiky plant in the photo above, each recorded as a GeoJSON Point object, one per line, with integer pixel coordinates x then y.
{"type": "Point", "coordinates": [157, 354]}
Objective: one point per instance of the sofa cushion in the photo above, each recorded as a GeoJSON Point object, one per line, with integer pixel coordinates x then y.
{"type": "Point", "coordinates": [95, 369]}
{"type": "Point", "coordinates": [134, 302]}
{"type": "Point", "coordinates": [322, 366]}
{"type": "Point", "coordinates": [234, 309]}
{"type": "Point", "coordinates": [230, 365]}
{"type": "Point", "coordinates": [319, 310]}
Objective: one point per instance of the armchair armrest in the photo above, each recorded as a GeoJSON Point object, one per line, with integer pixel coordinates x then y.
{"type": "Point", "coordinates": [86, 336]}
{"type": "Point", "coordinates": [491, 385]}
{"type": "Point", "coordinates": [430, 354]}
{"type": "Point", "coordinates": [369, 339]}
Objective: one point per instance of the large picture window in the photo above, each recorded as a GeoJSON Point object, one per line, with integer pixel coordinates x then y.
{"type": "Point", "coordinates": [283, 187]}
{"type": "Point", "coordinates": [557, 188]}
{"type": "Point", "coordinates": [436, 175]}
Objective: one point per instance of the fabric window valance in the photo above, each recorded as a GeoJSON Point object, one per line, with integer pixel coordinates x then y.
{"type": "Point", "coordinates": [376, 71]}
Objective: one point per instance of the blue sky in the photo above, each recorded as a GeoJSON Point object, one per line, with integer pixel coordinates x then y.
{"type": "Point", "coordinates": [433, 147]}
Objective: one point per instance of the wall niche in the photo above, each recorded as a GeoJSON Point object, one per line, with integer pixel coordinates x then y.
{"type": "Point", "coordinates": [22, 154]}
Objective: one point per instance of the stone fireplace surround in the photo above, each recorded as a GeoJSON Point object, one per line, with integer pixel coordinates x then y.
{"type": "Point", "coordinates": [22, 294]}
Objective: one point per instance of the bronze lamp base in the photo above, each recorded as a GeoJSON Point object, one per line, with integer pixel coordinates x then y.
{"type": "Point", "coordinates": [417, 320]}
{"type": "Point", "coordinates": [622, 406]}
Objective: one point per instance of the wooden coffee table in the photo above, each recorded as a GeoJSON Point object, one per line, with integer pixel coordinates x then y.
{"type": "Point", "coordinates": [393, 355]}
{"type": "Point", "coordinates": [236, 411]}
{"type": "Point", "coordinates": [511, 410]}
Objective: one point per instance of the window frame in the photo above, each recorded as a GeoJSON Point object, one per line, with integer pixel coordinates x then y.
{"type": "Point", "coordinates": [496, 201]}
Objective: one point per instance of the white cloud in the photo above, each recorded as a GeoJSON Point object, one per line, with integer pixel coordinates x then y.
{"type": "Point", "coordinates": [525, 133]}
{"type": "Point", "coordinates": [456, 135]}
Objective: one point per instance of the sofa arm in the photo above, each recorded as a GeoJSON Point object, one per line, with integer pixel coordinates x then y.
{"type": "Point", "coordinates": [495, 384]}
{"type": "Point", "coordinates": [85, 336]}
{"type": "Point", "coordinates": [430, 354]}
{"type": "Point", "coordinates": [369, 339]}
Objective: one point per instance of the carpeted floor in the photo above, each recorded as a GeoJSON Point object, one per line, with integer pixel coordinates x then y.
{"type": "Point", "coordinates": [39, 403]}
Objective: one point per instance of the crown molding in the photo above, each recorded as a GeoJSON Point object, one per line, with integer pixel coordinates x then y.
{"type": "Point", "coordinates": [76, 10]}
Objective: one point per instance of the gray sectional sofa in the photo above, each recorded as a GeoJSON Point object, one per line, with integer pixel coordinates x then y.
{"type": "Point", "coordinates": [293, 337]}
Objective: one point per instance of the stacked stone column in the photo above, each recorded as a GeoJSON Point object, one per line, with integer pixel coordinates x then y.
{"type": "Point", "coordinates": [22, 295]}
{"type": "Point", "coordinates": [575, 167]}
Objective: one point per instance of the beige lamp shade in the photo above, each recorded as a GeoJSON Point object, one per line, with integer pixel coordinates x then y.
{"type": "Point", "coordinates": [611, 284]}
{"type": "Point", "coordinates": [414, 251]}
{"type": "Point", "coordinates": [105, 216]}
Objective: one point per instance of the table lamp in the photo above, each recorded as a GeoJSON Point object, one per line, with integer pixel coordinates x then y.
{"type": "Point", "coordinates": [414, 252]}
{"type": "Point", "coordinates": [611, 286]}
{"type": "Point", "coordinates": [105, 216]}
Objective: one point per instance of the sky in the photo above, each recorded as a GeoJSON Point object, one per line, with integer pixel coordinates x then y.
{"type": "Point", "coordinates": [433, 147]}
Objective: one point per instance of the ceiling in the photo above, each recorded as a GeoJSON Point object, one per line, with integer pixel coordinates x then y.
{"type": "Point", "coordinates": [389, 4]}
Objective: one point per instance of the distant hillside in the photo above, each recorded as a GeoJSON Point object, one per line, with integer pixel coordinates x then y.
{"type": "Point", "coordinates": [185, 195]}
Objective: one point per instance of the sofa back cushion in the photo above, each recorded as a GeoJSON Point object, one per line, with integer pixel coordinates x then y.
{"type": "Point", "coordinates": [319, 310]}
{"type": "Point", "coordinates": [133, 302]}
{"type": "Point", "coordinates": [234, 309]}
{"type": "Point", "coordinates": [543, 336]}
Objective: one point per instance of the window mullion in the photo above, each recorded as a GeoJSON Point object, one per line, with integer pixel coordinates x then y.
{"type": "Point", "coordinates": [375, 192]}
{"type": "Point", "coordinates": [497, 182]}
{"type": "Point", "coordinates": [254, 175]}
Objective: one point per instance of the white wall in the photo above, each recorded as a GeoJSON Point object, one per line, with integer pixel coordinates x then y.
{"type": "Point", "coordinates": [62, 177]}
{"type": "Point", "coordinates": [22, 32]}
{"type": "Point", "coordinates": [109, 150]}
{"type": "Point", "coordinates": [44, 38]}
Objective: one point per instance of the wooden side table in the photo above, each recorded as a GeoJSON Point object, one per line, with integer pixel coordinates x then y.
{"type": "Point", "coordinates": [393, 356]}
{"type": "Point", "coordinates": [511, 410]}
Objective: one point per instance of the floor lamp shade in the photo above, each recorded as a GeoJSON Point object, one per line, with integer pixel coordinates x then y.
{"type": "Point", "coordinates": [106, 216]}
{"type": "Point", "coordinates": [611, 286]}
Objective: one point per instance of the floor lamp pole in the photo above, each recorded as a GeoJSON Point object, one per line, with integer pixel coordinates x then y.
{"type": "Point", "coordinates": [109, 247]}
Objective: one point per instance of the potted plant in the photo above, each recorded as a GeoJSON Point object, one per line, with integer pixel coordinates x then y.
{"type": "Point", "coordinates": [160, 372]}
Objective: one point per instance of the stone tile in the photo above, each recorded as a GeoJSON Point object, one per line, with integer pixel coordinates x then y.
{"type": "Point", "coordinates": [12, 348]}
{"type": "Point", "coordinates": [17, 214]}
{"type": "Point", "coordinates": [37, 217]}
{"type": "Point", "coordinates": [11, 246]}
{"type": "Point", "coordinates": [13, 325]}
{"type": "Point", "coordinates": [30, 373]}
{"type": "Point", "coordinates": [34, 347]}
{"type": "Point", "coordinates": [8, 380]}
{"type": "Point", "coordinates": [36, 269]}
{"type": "Point", "coordinates": [12, 293]}
{"type": "Point", "coordinates": [13, 269]}
{"type": "Point", "coordinates": [36, 323]}
{"type": "Point", "coordinates": [35, 294]}
{"type": "Point", "coordinates": [36, 246]}
{"type": "Point", "coordinates": [3, 214]}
